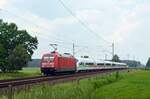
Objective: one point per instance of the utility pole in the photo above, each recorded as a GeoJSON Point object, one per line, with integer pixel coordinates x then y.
{"type": "Point", "coordinates": [73, 50]}
{"type": "Point", "coordinates": [113, 49]}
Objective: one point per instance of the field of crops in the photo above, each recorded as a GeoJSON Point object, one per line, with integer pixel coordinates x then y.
{"type": "Point", "coordinates": [26, 72]}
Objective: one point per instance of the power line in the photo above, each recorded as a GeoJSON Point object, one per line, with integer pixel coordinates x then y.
{"type": "Point", "coordinates": [37, 26]}
{"type": "Point", "coordinates": [43, 28]}
{"type": "Point", "coordinates": [80, 21]}
{"type": "Point", "coordinates": [27, 21]}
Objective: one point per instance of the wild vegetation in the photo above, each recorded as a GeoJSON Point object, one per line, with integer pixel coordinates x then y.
{"type": "Point", "coordinates": [135, 85]}
{"type": "Point", "coordinates": [81, 90]}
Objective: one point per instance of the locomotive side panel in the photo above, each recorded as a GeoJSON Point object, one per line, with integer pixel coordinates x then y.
{"type": "Point", "coordinates": [66, 64]}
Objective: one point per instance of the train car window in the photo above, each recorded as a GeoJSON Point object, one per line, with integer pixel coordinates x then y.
{"type": "Point", "coordinates": [89, 63]}
{"type": "Point", "coordinates": [113, 64]}
{"type": "Point", "coordinates": [81, 63]}
{"type": "Point", "coordinates": [108, 64]}
{"type": "Point", "coordinates": [100, 63]}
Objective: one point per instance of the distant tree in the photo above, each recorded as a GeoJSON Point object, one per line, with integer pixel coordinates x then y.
{"type": "Point", "coordinates": [115, 58]}
{"type": "Point", "coordinates": [12, 42]}
{"type": "Point", "coordinates": [148, 63]}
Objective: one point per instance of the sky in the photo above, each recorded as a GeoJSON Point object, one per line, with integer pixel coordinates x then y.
{"type": "Point", "coordinates": [124, 22]}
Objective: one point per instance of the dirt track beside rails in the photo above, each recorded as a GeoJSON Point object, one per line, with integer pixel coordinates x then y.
{"type": "Point", "coordinates": [8, 87]}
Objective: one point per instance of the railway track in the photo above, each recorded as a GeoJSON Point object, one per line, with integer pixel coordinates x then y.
{"type": "Point", "coordinates": [40, 79]}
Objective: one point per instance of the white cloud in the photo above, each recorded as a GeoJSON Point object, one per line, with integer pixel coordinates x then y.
{"type": "Point", "coordinates": [3, 3]}
{"type": "Point", "coordinates": [126, 26]}
{"type": "Point", "coordinates": [34, 23]}
{"type": "Point", "coordinates": [128, 23]}
{"type": "Point", "coordinates": [112, 19]}
{"type": "Point", "coordinates": [47, 29]}
{"type": "Point", "coordinates": [90, 15]}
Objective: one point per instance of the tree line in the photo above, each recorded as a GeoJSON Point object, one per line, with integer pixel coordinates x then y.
{"type": "Point", "coordinates": [130, 63]}
{"type": "Point", "coordinates": [16, 47]}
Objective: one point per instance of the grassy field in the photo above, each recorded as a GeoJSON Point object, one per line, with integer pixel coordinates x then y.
{"type": "Point", "coordinates": [82, 90]}
{"type": "Point", "coordinates": [26, 72]}
{"type": "Point", "coordinates": [136, 85]}
{"type": "Point", "coordinates": [132, 85]}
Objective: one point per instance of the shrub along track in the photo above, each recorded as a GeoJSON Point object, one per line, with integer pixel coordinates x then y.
{"type": "Point", "coordinates": [25, 83]}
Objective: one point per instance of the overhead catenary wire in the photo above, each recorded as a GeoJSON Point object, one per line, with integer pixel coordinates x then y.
{"type": "Point", "coordinates": [45, 29]}
{"type": "Point", "coordinates": [37, 32]}
{"type": "Point", "coordinates": [81, 22]}
{"type": "Point", "coordinates": [84, 24]}
{"type": "Point", "coordinates": [36, 25]}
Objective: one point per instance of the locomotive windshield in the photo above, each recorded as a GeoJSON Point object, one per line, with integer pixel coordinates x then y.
{"type": "Point", "coordinates": [48, 58]}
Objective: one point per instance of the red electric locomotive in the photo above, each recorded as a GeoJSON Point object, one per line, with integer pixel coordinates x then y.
{"type": "Point", "coordinates": [55, 63]}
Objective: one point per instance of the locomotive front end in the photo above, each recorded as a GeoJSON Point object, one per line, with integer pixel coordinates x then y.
{"type": "Point", "coordinates": [48, 64]}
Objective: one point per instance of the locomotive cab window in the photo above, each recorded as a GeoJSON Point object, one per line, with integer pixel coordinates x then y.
{"type": "Point", "coordinates": [48, 58]}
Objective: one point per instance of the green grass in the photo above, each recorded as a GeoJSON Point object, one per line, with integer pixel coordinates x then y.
{"type": "Point", "coordinates": [136, 85]}
{"type": "Point", "coordinates": [132, 85]}
{"type": "Point", "coordinates": [26, 72]}
{"type": "Point", "coordinates": [85, 89]}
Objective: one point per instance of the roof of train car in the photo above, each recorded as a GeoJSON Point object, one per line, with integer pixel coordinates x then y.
{"type": "Point", "coordinates": [86, 60]}
{"type": "Point", "coordinates": [91, 60]}
{"type": "Point", "coordinates": [60, 55]}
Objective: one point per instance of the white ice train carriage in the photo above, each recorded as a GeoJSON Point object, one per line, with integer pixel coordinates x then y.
{"type": "Point", "coordinates": [92, 64]}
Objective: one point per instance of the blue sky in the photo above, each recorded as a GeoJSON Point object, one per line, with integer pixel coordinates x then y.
{"type": "Point", "coordinates": [126, 22]}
